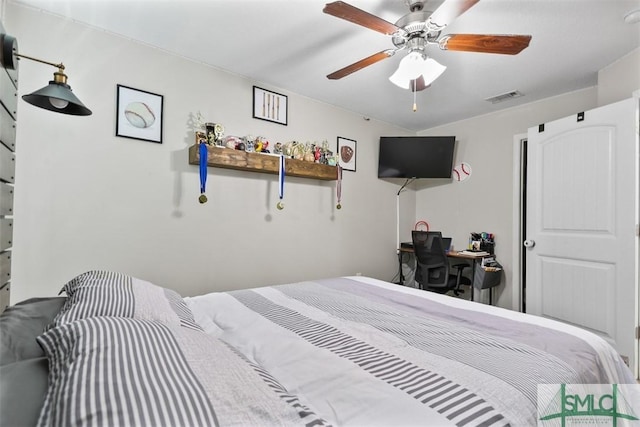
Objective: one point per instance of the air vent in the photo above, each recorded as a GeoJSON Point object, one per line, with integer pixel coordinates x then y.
{"type": "Point", "coordinates": [504, 96]}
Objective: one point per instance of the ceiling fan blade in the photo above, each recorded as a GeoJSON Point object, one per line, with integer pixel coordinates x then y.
{"type": "Point", "coordinates": [450, 10]}
{"type": "Point", "coordinates": [350, 13]}
{"type": "Point", "coordinates": [485, 43]}
{"type": "Point", "coordinates": [376, 57]}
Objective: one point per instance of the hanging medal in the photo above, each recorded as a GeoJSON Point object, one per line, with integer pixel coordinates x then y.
{"type": "Point", "coordinates": [203, 171]}
{"type": "Point", "coordinates": [280, 205]}
{"type": "Point", "coordinates": [339, 187]}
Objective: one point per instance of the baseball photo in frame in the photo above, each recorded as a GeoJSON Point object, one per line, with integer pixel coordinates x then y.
{"type": "Point", "coordinates": [139, 114]}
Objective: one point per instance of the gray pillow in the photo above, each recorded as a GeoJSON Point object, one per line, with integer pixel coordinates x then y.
{"type": "Point", "coordinates": [21, 323]}
{"type": "Point", "coordinates": [111, 294]}
{"type": "Point", "coordinates": [23, 387]}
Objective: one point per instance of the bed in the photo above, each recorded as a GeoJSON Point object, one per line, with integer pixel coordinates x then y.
{"type": "Point", "coordinates": [353, 351]}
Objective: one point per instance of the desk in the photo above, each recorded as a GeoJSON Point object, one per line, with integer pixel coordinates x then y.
{"type": "Point", "coordinates": [453, 254]}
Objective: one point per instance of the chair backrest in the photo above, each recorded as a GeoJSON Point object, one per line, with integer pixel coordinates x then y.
{"type": "Point", "coordinates": [431, 256]}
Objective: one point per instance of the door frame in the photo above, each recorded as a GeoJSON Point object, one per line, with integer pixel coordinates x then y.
{"type": "Point", "coordinates": [636, 96]}
{"type": "Point", "coordinates": [518, 227]}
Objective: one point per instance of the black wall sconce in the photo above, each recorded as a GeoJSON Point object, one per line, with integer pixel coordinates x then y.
{"type": "Point", "coordinates": [57, 95]}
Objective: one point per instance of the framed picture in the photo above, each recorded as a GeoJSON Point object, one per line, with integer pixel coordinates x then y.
{"type": "Point", "coordinates": [139, 114]}
{"type": "Point", "coordinates": [269, 106]}
{"type": "Point", "coordinates": [347, 153]}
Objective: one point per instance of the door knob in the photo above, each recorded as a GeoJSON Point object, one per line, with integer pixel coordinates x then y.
{"type": "Point", "coordinates": [529, 243]}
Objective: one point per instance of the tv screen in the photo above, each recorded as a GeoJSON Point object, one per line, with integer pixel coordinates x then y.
{"type": "Point", "coordinates": [416, 156]}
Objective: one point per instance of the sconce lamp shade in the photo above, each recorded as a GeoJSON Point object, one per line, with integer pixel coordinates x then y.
{"type": "Point", "coordinates": [57, 97]}
{"type": "Point", "coordinates": [415, 65]}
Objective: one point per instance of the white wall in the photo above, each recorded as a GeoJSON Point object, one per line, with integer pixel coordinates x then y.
{"type": "Point", "coordinates": [86, 199]}
{"type": "Point", "coordinates": [618, 81]}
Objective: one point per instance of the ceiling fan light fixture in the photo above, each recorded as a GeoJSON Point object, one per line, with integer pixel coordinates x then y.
{"type": "Point", "coordinates": [431, 70]}
{"type": "Point", "coordinates": [399, 81]}
{"type": "Point", "coordinates": [413, 66]}
{"type": "Point", "coordinates": [410, 68]}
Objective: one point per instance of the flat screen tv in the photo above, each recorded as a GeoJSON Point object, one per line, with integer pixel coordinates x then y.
{"type": "Point", "coordinates": [416, 156]}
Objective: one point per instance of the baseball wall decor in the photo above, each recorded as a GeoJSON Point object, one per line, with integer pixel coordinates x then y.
{"type": "Point", "coordinates": [461, 172]}
{"type": "Point", "coordinates": [347, 153]}
{"type": "Point", "coordinates": [139, 114]}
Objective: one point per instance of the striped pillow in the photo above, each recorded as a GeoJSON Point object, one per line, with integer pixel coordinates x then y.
{"type": "Point", "coordinates": [106, 293]}
{"type": "Point", "coordinates": [113, 371]}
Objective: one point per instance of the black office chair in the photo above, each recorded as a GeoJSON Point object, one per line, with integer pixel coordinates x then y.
{"type": "Point", "coordinates": [432, 271]}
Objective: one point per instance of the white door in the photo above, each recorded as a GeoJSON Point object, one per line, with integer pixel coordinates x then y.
{"type": "Point", "coordinates": [582, 191]}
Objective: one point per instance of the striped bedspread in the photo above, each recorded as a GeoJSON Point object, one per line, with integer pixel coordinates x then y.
{"type": "Point", "coordinates": [358, 351]}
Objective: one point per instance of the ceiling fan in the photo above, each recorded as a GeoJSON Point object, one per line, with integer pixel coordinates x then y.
{"type": "Point", "coordinates": [415, 31]}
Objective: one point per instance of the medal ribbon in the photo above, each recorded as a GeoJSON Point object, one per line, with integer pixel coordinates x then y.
{"type": "Point", "coordinates": [281, 179]}
{"type": "Point", "coordinates": [339, 186]}
{"type": "Point", "coordinates": [203, 169]}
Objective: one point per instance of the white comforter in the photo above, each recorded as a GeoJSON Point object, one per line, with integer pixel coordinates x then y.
{"type": "Point", "coordinates": [361, 352]}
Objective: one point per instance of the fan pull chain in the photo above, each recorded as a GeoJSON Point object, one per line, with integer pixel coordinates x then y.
{"type": "Point", "coordinates": [415, 106]}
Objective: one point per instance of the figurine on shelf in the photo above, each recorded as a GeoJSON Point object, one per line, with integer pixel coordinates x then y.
{"type": "Point", "coordinates": [249, 143]}
{"type": "Point", "coordinates": [261, 145]}
{"type": "Point", "coordinates": [231, 142]}
{"type": "Point", "coordinates": [309, 156]}
{"type": "Point", "coordinates": [215, 131]}
{"type": "Point", "coordinates": [317, 154]}
{"type": "Point", "coordinates": [308, 152]}
{"type": "Point", "coordinates": [326, 153]}
{"type": "Point", "coordinates": [290, 148]}
{"type": "Point", "coordinates": [297, 151]}
{"type": "Point", "coordinates": [287, 148]}
{"type": "Point", "coordinates": [201, 138]}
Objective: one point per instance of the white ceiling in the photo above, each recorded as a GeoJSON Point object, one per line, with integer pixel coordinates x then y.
{"type": "Point", "coordinates": [291, 45]}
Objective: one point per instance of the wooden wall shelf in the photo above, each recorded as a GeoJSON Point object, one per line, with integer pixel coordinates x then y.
{"type": "Point", "coordinates": [255, 162]}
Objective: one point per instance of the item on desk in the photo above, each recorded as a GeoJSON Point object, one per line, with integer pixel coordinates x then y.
{"type": "Point", "coordinates": [489, 261]}
{"type": "Point", "coordinates": [475, 253]}
{"type": "Point", "coordinates": [481, 242]}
